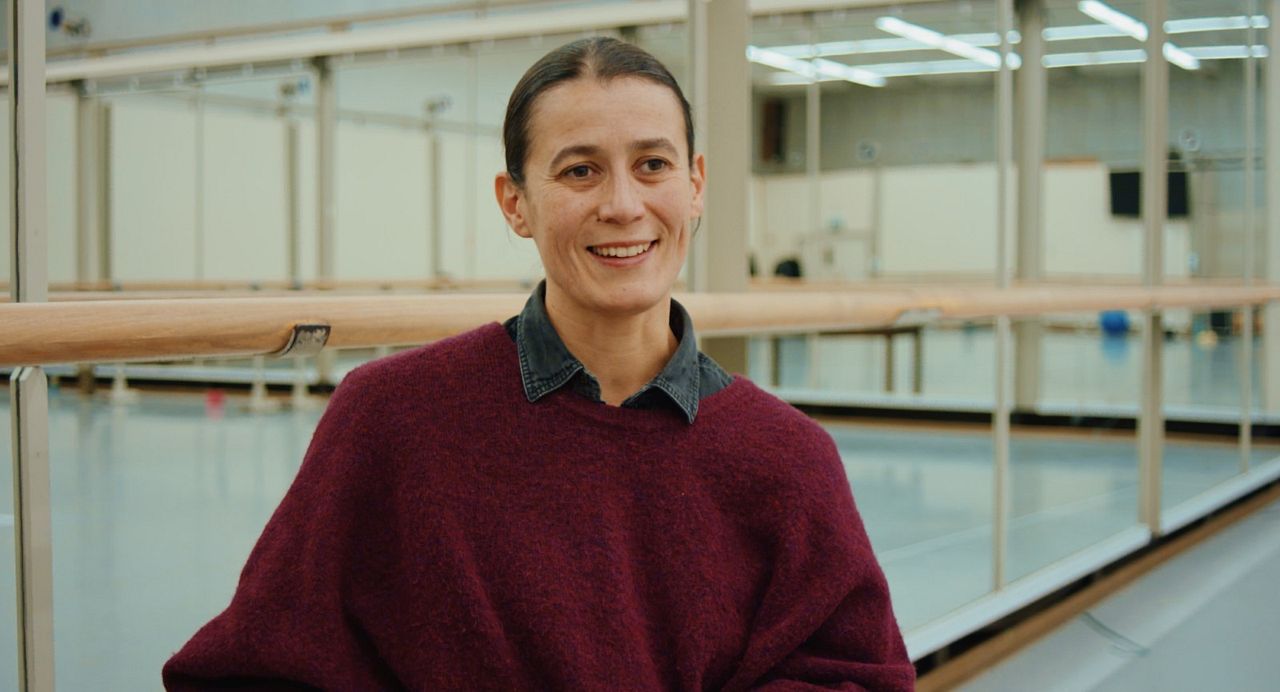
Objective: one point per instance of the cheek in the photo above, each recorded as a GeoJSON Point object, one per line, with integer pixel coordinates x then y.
{"type": "Point", "coordinates": [563, 215]}
{"type": "Point", "coordinates": [677, 210]}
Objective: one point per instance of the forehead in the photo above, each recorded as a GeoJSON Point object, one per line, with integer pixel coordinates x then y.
{"type": "Point", "coordinates": [595, 111]}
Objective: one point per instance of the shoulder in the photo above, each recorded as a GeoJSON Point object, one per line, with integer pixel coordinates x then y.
{"type": "Point", "coordinates": [768, 419]}
{"type": "Point", "coordinates": [460, 364]}
{"type": "Point", "coordinates": [460, 354]}
{"type": "Point", "coordinates": [783, 461]}
{"type": "Point", "coordinates": [773, 432]}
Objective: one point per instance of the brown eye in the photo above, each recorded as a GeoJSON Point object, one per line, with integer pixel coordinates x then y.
{"type": "Point", "coordinates": [654, 165]}
{"type": "Point", "coordinates": [578, 172]}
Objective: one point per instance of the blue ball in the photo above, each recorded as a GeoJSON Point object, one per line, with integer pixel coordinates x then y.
{"type": "Point", "coordinates": [1114, 322]}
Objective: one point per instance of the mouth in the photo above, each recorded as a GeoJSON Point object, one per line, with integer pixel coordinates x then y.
{"type": "Point", "coordinates": [621, 251]}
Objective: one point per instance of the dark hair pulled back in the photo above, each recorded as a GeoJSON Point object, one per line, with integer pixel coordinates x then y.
{"type": "Point", "coordinates": [601, 57]}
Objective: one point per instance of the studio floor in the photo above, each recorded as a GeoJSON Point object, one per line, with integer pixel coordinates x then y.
{"type": "Point", "coordinates": [1208, 619]}
{"type": "Point", "coordinates": [156, 505]}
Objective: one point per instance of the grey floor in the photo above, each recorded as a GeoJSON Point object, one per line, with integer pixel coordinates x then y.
{"type": "Point", "coordinates": [1207, 620]}
{"type": "Point", "coordinates": [157, 503]}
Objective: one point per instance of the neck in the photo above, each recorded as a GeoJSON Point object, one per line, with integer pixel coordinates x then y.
{"type": "Point", "coordinates": [623, 352]}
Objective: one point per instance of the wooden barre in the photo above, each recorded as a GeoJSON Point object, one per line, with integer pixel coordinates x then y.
{"type": "Point", "coordinates": [165, 329]}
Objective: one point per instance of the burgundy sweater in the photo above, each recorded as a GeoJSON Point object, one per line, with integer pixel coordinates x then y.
{"type": "Point", "coordinates": [444, 533]}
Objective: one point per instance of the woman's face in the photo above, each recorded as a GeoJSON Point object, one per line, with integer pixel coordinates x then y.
{"type": "Point", "coordinates": [609, 194]}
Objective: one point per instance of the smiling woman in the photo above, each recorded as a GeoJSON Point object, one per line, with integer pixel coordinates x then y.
{"type": "Point", "coordinates": [578, 498]}
{"type": "Point", "coordinates": [608, 190]}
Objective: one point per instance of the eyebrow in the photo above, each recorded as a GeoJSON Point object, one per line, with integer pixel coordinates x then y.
{"type": "Point", "coordinates": [590, 149]}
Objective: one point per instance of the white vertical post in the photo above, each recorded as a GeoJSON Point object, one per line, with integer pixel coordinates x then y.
{"type": "Point", "coordinates": [1250, 238]}
{"type": "Point", "coordinates": [1029, 133]}
{"type": "Point", "coordinates": [106, 269]}
{"type": "Point", "coordinates": [293, 218]}
{"type": "Point", "coordinates": [813, 141]}
{"type": "Point", "coordinates": [1004, 243]}
{"type": "Point", "coordinates": [1271, 265]}
{"type": "Point", "coordinates": [326, 141]}
{"type": "Point", "coordinates": [472, 165]}
{"type": "Point", "coordinates": [198, 216]}
{"type": "Point", "coordinates": [718, 31]}
{"type": "Point", "coordinates": [434, 224]}
{"type": "Point", "coordinates": [88, 166]}
{"type": "Point", "coordinates": [1155, 114]}
{"type": "Point", "coordinates": [326, 133]}
{"type": "Point", "coordinates": [28, 386]}
{"type": "Point", "coordinates": [33, 528]}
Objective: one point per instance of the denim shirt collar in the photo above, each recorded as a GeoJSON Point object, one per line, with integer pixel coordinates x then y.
{"type": "Point", "coordinates": [547, 365]}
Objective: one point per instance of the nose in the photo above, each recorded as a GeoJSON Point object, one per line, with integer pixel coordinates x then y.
{"type": "Point", "coordinates": [623, 201]}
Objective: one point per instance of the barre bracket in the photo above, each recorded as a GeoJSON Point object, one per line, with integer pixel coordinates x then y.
{"type": "Point", "coordinates": [305, 340]}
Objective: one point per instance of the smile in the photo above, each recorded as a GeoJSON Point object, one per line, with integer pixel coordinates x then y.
{"type": "Point", "coordinates": [622, 251]}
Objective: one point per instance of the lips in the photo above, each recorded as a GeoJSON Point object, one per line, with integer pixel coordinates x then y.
{"type": "Point", "coordinates": [616, 251]}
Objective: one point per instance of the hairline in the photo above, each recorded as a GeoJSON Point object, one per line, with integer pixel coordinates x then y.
{"type": "Point", "coordinates": [589, 69]}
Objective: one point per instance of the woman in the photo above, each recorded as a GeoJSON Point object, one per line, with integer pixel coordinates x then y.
{"type": "Point", "coordinates": [577, 499]}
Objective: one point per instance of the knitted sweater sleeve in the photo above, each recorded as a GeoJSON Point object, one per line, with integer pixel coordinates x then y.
{"type": "Point", "coordinates": [826, 621]}
{"type": "Point", "coordinates": [286, 627]}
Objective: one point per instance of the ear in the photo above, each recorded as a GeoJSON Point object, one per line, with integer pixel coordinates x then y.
{"type": "Point", "coordinates": [511, 202]}
{"type": "Point", "coordinates": [698, 176]}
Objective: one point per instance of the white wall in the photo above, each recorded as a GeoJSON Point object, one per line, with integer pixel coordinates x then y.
{"type": "Point", "coordinates": [934, 218]}
{"type": "Point", "coordinates": [6, 150]}
{"type": "Point", "coordinates": [938, 218]}
{"type": "Point", "coordinates": [244, 220]}
{"type": "Point", "coordinates": [383, 205]}
{"type": "Point", "coordinates": [941, 219]}
{"type": "Point", "coordinates": [60, 131]}
{"type": "Point", "coordinates": [60, 135]}
{"type": "Point", "coordinates": [1082, 238]}
{"type": "Point", "coordinates": [153, 189]}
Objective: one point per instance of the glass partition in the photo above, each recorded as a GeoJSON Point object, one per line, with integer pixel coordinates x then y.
{"type": "Point", "coordinates": [8, 574]}
{"type": "Point", "coordinates": [156, 505]}
{"type": "Point", "coordinates": [197, 169]}
{"type": "Point", "coordinates": [883, 181]}
{"type": "Point", "coordinates": [874, 161]}
{"type": "Point", "coordinates": [1074, 469]}
{"type": "Point", "coordinates": [1214, 122]}
{"type": "Point", "coordinates": [925, 493]}
{"type": "Point", "coordinates": [874, 164]}
{"type": "Point", "coordinates": [6, 145]}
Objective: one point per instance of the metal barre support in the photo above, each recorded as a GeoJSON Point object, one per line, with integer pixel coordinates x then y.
{"type": "Point", "coordinates": [306, 340]}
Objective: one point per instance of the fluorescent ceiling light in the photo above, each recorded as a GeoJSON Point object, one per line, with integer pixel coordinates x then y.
{"type": "Point", "coordinates": [1138, 30]}
{"type": "Point", "coordinates": [933, 39]}
{"type": "Point", "coordinates": [881, 45]}
{"type": "Point", "coordinates": [1116, 57]}
{"type": "Point", "coordinates": [813, 70]}
{"type": "Point", "coordinates": [1191, 26]}
{"type": "Point", "coordinates": [833, 48]}
{"type": "Point", "coordinates": [1102, 57]}
{"type": "Point", "coordinates": [1055, 60]}
{"type": "Point", "coordinates": [929, 67]}
{"type": "Point", "coordinates": [857, 75]}
{"type": "Point", "coordinates": [1227, 52]}
{"type": "Point", "coordinates": [1174, 26]}
{"type": "Point", "coordinates": [992, 39]}
{"type": "Point", "coordinates": [1114, 18]}
{"type": "Point", "coordinates": [778, 61]}
{"type": "Point", "coordinates": [1084, 31]}
{"type": "Point", "coordinates": [1180, 57]}
{"type": "Point", "coordinates": [790, 79]}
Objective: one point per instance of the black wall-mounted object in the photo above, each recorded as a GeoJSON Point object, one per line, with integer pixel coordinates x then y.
{"type": "Point", "coordinates": [1126, 194]}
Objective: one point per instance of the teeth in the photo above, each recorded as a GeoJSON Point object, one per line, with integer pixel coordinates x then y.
{"type": "Point", "coordinates": [630, 251]}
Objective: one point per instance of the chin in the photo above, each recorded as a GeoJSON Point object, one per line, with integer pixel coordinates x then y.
{"type": "Point", "coordinates": [632, 300]}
